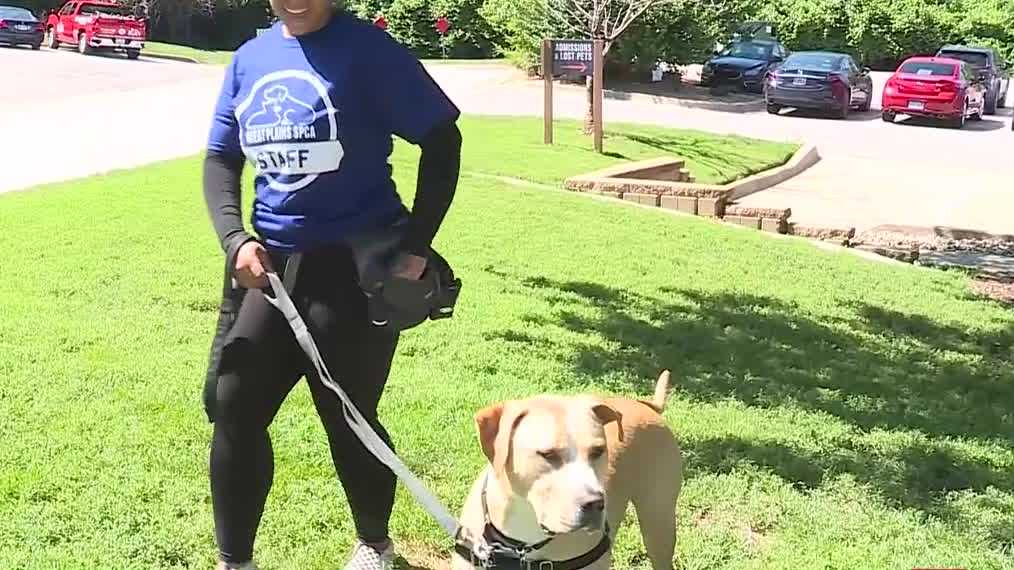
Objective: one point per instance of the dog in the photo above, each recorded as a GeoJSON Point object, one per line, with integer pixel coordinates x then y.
{"type": "Point", "coordinates": [562, 471]}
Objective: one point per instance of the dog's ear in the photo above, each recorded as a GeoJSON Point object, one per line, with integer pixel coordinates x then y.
{"type": "Point", "coordinates": [496, 425]}
{"type": "Point", "coordinates": [607, 414]}
{"type": "Point", "coordinates": [487, 420]}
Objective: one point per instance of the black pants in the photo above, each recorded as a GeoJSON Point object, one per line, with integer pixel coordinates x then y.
{"type": "Point", "coordinates": [261, 362]}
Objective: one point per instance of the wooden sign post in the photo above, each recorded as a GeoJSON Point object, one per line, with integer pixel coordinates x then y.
{"type": "Point", "coordinates": [547, 80]}
{"type": "Point", "coordinates": [597, 76]}
{"type": "Point", "coordinates": [575, 59]}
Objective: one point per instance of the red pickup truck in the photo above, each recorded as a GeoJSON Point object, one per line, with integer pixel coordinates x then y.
{"type": "Point", "coordinates": [93, 25]}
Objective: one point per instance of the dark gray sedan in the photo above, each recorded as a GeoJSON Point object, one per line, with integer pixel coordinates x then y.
{"type": "Point", "coordinates": [20, 27]}
{"type": "Point", "coordinates": [818, 80]}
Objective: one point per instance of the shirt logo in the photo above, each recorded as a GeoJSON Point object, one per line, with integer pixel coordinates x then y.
{"type": "Point", "coordinates": [289, 129]}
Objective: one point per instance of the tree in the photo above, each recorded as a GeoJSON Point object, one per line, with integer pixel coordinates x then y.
{"type": "Point", "coordinates": [176, 17]}
{"type": "Point", "coordinates": [604, 20]}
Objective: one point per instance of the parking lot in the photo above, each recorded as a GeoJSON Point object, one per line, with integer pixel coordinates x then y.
{"type": "Point", "coordinates": [72, 116]}
{"type": "Point", "coordinates": [66, 115]}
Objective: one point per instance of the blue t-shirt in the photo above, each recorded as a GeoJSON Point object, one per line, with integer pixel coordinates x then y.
{"type": "Point", "coordinates": [315, 116]}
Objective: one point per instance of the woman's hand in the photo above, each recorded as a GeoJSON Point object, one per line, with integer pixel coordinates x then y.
{"type": "Point", "coordinates": [408, 266]}
{"type": "Point", "coordinates": [252, 266]}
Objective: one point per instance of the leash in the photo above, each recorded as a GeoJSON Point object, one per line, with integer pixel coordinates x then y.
{"type": "Point", "coordinates": [369, 438]}
{"type": "Point", "coordinates": [495, 551]}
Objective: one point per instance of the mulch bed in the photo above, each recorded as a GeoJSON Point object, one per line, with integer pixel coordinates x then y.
{"type": "Point", "coordinates": [1002, 291]}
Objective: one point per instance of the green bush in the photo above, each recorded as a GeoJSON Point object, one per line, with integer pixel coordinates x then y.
{"type": "Point", "coordinates": [877, 33]}
{"type": "Point", "coordinates": [520, 26]}
{"type": "Point", "coordinates": [413, 23]}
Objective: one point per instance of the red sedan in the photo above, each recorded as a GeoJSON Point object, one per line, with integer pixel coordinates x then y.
{"type": "Point", "coordinates": [937, 88]}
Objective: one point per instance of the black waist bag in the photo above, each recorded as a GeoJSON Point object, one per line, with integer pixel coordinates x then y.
{"type": "Point", "coordinates": [395, 302]}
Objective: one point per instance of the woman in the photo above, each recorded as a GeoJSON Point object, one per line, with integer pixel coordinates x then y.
{"type": "Point", "coordinates": [313, 104]}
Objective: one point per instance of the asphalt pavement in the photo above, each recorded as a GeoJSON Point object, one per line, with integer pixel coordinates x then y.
{"type": "Point", "coordinates": [66, 115]}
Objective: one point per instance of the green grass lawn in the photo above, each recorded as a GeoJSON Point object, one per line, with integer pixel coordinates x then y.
{"type": "Point", "coordinates": [211, 57]}
{"type": "Point", "coordinates": [512, 146]}
{"type": "Point", "coordinates": [834, 412]}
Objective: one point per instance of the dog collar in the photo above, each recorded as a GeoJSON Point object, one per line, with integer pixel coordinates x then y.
{"type": "Point", "coordinates": [501, 552]}
{"type": "Point", "coordinates": [494, 556]}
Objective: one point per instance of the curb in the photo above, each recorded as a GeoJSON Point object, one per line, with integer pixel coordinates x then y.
{"type": "Point", "coordinates": [179, 58]}
{"type": "Point", "coordinates": [805, 157]}
{"type": "Point", "coordinates": [733, 107]}
{"type": "Point", "coordinates": [612, 178]}
{"type": "Point", "coordinates": [819, 244]}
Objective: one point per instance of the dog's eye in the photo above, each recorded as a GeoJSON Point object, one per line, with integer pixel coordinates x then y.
{"type": "Point", "coordinates": [550, 455]}
{"type": "Point", "coordinates": [596, 452]}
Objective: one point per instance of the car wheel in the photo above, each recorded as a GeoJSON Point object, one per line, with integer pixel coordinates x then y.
{"type": "Point", "coordinates": [36, 47]}
{"type": "Point", "coordinates": [865, 108]}
{"type": "Point", "coordinates": [133, 53]}
{"type": "Point", "coordinates": [843, 112]}
{"type": "Point", "coordinates": [887, 116]}
{"type": "Point", "coordinates": [52, 42]}
{"type": "Point", "coordinates": [82, 44]}
{"type": "Point", "coordinates": [959, 121]}
{"type": "Point", "coordinates": [991, 99]}
{"type": "Point", "coordinates": [774, 109]}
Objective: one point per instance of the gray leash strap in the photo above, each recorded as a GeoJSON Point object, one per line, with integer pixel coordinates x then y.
{"type": "Point", "coordinates": [355, 419]}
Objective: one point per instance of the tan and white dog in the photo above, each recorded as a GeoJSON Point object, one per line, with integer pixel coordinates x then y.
{"type": "Point", "coordinates": [562, 471]}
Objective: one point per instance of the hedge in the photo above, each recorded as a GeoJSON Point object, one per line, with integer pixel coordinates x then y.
{"type": "Point", "coordinates": [878, 33]}
{"type": "Point", "coordinates": [413, 22]}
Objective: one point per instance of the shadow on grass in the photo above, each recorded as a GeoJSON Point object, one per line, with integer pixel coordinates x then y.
{"type": "Point", "coordinates": [715, 154]}
{"type": "Point", "coordinates": [402, 564]}
{"type": "Point", "coordinates": [912, 475]}
{"type": "Point", "coordinates": [732, 101]}
{"type": "Point", "coordinates": [876, 369]}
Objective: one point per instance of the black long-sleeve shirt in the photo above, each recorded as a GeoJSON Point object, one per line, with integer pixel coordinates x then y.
{"type": "Point", "coordinates": [437, 181]}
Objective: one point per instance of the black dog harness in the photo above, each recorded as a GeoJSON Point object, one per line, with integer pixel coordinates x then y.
{"type": "Point", "coordinates": [501, 552]}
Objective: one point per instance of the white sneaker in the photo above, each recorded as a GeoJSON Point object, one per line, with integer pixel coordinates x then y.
{"type": "Point", "coordinates": [244, 566]}
{"type": "Point", "coordinates": [366, 557]}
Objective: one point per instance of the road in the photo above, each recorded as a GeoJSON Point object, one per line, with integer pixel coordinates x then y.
{"type": "Point", "coordinates": [871, 173]}
{"type": "Point", "coordinates": [66, 116]}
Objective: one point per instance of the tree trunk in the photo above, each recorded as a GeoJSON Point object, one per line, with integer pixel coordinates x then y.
{"type": "Point", "coordinates": [589, 115]}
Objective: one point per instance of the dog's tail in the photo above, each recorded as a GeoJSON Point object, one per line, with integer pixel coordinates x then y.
{"type": "Point", "coordinates": [657, 402]}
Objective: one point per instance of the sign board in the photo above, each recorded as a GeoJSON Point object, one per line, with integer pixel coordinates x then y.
{"type": "Point", "coordinates": [442, 25]}
{"type": "Point", "coordinates": [572, 57]}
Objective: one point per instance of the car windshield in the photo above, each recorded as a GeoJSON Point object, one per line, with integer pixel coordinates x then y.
{"type": "Point", "coordinates": [104, 9]}
{"type": "Point", "coordinates": [928, 68]}
{"type": "Point", "coordinates": [749, 50]}
{"type": "Point", "coordinates": [13, 13]}
{"type": "Point", "coordinates": [974, 58]}
{"type": "Point", "coordinates": [814, 61]}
